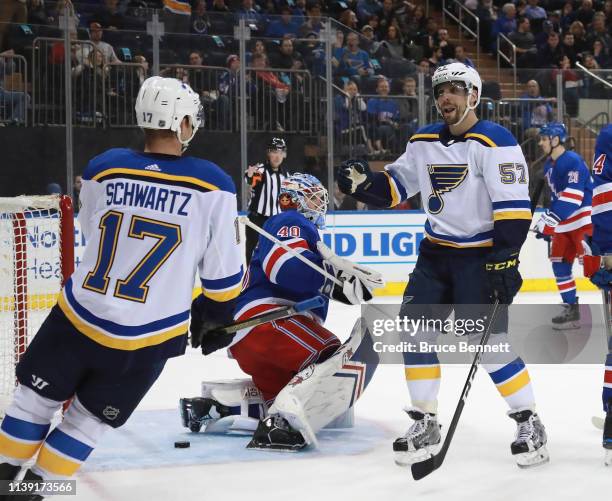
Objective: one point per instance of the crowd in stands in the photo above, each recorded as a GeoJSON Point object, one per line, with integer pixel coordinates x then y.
{"type": "Point", "coordinates": [380, 48]}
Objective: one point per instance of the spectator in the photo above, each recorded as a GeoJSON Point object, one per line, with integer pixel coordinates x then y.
{"type": "Point", "coordinates": [369, 42]}
{"type": "Point", "coordinates": [534, 11]}
{"type": "Point", "coordinates": [368, 8]}
{"type": "Point", "coordinates": [436, 59]}
{"type": "Point", "coordinates": [524, 40]}
{"type": "Point", "coordinates": [285, 25]}
{"type": "Point", "coordinates": [409, 108]}
{"type": "Point", "coordinates": [299, 10]}
{"type": "Point", "coordinates": [350, 121]}
{"type": "Point", "coordinates": [580, 41]}
{"type": "Point", "coordinates": [229, 91]}
{"type": "Point", "coordinates": [601, 53]}
{"type": "Point", "coordinates": [461, 56]}
{"type": "Point", "coordinates": [598, 31]}
{"type": "Point", "coordinates": [60, 7]}
{"type": "Point", "coordinates": [506, 23]}
{"type": "Point", "coordinates": [591, 87]}
{"type": "Point", "coordinates": [54, 189]}
{"type": "Point", "coordinates": [384, 116]}
{"type": "Point", "coordinates": [393, 42]}
{"type": "Point", "coordinates": [95, 37]}
{"type": "Point", "coordinates": [220, 7]}
{"type": "Point", "coordinates": [271, 96]}
{"type": "Point", "coordinates": [251, 17]}
{"type": "Point", "coordinates": [585, 13]}
{"type": "Point", "coordinates": [424, 67]}
{"type": "Point", "coordinates": [535, 113]}
{"type": "Point", "coordinates": [15, 103]}
{"type": "Point", "coordinates": [550, 55]}
{"type": "Point", "coordinates": [313, 54]}
{"type": "Point", "coordinates": [313, 20]}
{"type": "Point", "coordinates": [349, 18]}
{"type": "Point", "coordinates": [200, 22]}
{"type": "Point", "coordinates": [91, 81]}
{"type": "Point", "coordinates": [569, 48]}
{"type": "Point", "coordinates": [111, 18]}
{"type": "Point", "coordinates": [487, 16]}
{"type": "Point", "coordinates": [416, 24]}
{"type": "Point", "coordinates": [442, 40]}
{"type": "Point", "coordinates": [354, 62]}
{"type": "Point", "coordinates": [258, 48]}
{"type": "Point", "coordinates": [76, 193]}
{"type": "Point", "coordinates": [568, 15]}
{"type": "Point", "coordinates": [387, 17]}
{"type": "Point", "coordinates": [287, 58]}
{"type": "Point", "coordinates": [37, 12]}
{"type": "Point", "coordinates": [142, 71]}
{"type": "Point", "coordinates": [571, 83]}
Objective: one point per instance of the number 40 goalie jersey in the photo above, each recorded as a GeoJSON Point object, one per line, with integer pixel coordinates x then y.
{"type": "Point", "coordinates": [151, 223]}
{"type": "Point", "coordinates": [468, 184]}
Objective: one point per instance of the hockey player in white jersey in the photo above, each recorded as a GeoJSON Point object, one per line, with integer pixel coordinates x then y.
{"type": "Point", "coordinates": [473, 181]}
{"type": "Point", "coordinates": [152, 221]}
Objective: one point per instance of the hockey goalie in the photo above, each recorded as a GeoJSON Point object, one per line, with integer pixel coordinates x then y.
{"type": "Point", "coordinates": [302, 377]}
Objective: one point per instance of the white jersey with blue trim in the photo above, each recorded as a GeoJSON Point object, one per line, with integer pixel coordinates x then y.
{"type": "Point", "coordinates": [151, 223]}
{"type": "Point", "coordinates": [466, 182]}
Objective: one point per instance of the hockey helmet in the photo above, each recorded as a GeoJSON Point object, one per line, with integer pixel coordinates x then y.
{"type": "Point", "coordinates": [162, 103]}
{"type": "Point", "coordinates": [554, 129]}
{"type": "Point", "coordinates": [307, 195]}
{"type": "Point", "coordinates": [458, 74]}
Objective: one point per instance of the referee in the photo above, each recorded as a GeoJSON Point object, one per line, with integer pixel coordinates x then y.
{"type": "Point", "coordinates": [265, 182]}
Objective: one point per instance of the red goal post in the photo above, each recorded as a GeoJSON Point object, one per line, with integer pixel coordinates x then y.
{"type": "Point", "coordinates": [36, 258]}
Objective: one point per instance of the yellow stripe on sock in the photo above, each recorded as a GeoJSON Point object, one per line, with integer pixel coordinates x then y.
{"type": "Point", "coordinates": [18, 450]}
{"type": "Point", "coordinates": [56, 465]}
{"type": "Point", "coordinates": [413, 373]}
{"type": "Point", "coordinates": [514, 385]}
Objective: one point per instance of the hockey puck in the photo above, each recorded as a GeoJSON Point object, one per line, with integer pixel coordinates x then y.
{"type": "Point", "coordinates": [182, 445]}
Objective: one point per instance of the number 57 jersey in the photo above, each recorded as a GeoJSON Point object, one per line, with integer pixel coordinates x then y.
{"type": "Point", "coordinates": [468, 184]}
{"type": "Point", "coordinates": [151, 222]}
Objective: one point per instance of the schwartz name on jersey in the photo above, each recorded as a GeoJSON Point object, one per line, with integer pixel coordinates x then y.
{"type": "Point", "coordinates": [571, 189]}
{"type": "Point", "coordinates": [276, 278]}
{"type": "Point", "coordinates": [474, 187]}
{"type": "Point", "coordinates": [151, 222]}
{"type": "Point", "coordinates": [602, 191]}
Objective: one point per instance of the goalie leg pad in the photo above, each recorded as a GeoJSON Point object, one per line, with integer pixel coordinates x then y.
{"type": "Point", "coordinates": [322, 392]}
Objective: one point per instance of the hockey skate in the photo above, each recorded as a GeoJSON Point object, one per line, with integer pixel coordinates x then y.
{"type": "Point", "coordinates": [197, 412]}
{"type": "Point", "coordinates": [568, 319]}
{"type": "Point", "coordinates": [420, 441]}
{"type": "Point", "coordinates": [529, 446]}
{"type": "Point", "coordinates": [607, 436]}
{"type": "Point", "coordinates": [274, 433]}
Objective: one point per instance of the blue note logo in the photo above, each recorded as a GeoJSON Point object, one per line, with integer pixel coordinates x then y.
{"type": "Point", "coordinates": [443, 178]}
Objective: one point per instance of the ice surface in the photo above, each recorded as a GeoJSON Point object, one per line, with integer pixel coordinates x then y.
{"type": "Point", "coordinates": [140, 462]}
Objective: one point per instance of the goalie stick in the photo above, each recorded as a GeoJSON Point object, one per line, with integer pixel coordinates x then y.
{"type": "Point", "coordinates": [424, 468]}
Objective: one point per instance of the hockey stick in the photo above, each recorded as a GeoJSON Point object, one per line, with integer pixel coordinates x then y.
{"type": "Point", "coordinates": [424, 468]}
{"type": "Point", "coordinates": [307, 304]}
{"type": "Point", "coordinates": [246, 221]}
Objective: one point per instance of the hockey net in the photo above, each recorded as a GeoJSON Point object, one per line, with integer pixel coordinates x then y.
{"type": "Point", "coordinates": [36, 258]}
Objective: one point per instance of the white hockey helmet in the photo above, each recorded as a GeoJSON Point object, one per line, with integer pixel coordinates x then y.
{"type": "Point", "coordinates": [162, 103]}
{"type": "Point", "coordinates": [458, 72]}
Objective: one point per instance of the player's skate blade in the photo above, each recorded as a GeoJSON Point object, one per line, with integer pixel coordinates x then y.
{"type": "Point", "coordinates": [420, 441]}
{"type": "Point", "coordinates": [275, 434]}
{"type": "Point", "coordinates": [569, 319]}
{"type": "Point", "coordinates": [529, 446]}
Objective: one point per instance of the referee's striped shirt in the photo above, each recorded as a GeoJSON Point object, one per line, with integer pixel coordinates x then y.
{"type": "Point", "coordinates": [264, 200]}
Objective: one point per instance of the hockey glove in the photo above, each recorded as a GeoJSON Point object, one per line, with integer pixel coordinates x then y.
{"type": "Point", "coordinates": [503, 275]}
{"type": "Point", "coordinates": [545, 227]}
{"type": "Point", "coordinates": [205, 332]}
{"type": "Point", "coordinates": [594, 265]}
{"type": "Point", "coordinates": [354, 175]}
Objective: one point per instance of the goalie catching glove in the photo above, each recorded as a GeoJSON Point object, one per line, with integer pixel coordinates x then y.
{"type": "Point", "coordinates": [357, 281]}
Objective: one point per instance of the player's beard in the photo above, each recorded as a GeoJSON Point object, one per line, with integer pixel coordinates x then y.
{"type": "Point", "coordinates": [453, 117]}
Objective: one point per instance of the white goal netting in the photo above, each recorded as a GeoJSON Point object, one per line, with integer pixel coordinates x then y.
{"type": "Point", "coordinates": [36, 250]}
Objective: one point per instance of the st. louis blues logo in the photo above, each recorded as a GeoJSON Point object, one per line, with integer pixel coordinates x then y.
{"type": "Point", "coordinates": [443, 178]}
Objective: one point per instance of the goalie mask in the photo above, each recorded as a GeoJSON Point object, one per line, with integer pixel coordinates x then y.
{"type": "Point", "coordinates": [162, 103]}
{"type": "Point", "coordinates": [307, 195]}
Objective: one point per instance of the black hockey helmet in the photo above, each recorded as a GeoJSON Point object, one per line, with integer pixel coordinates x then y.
{"type": "Point", "coordinates": [277, 143]}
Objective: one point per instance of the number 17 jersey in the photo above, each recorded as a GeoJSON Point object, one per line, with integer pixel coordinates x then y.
{"type": "Point", "coordinates": [151, 222]}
